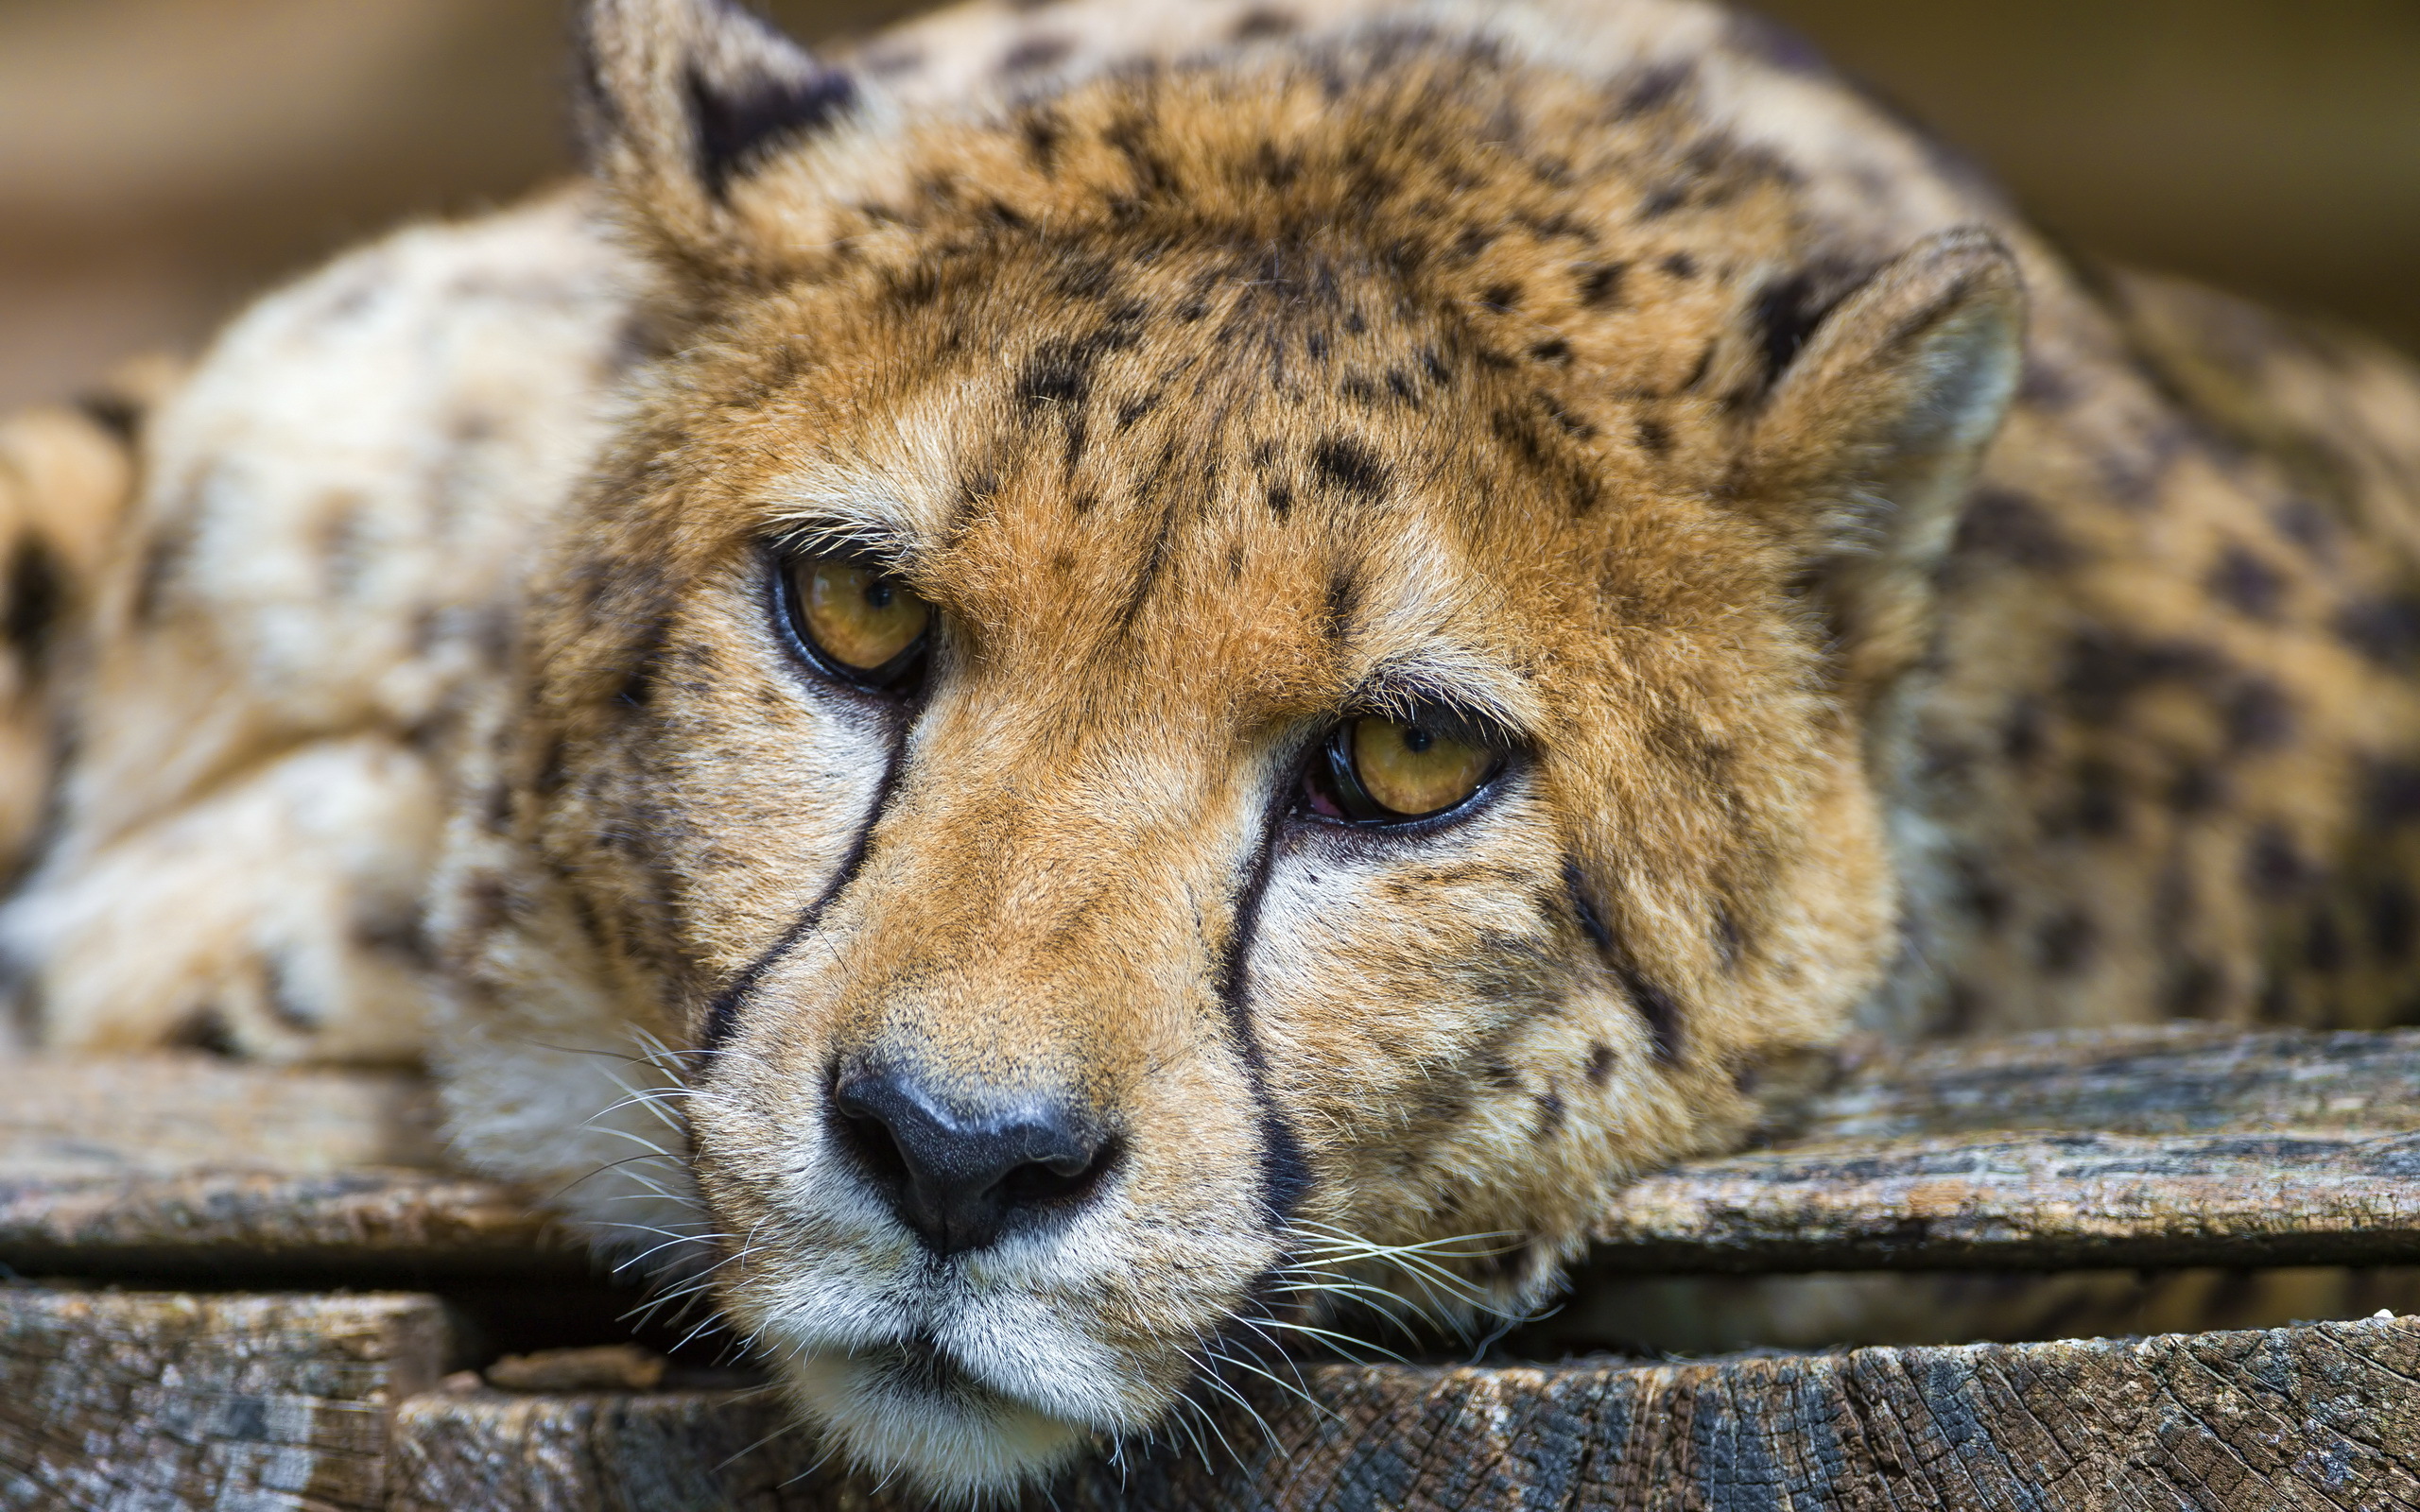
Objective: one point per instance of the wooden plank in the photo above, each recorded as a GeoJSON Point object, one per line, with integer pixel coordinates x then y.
{"type": "Point", "coordinates": [2184, 1148]}
{"type": "Point", "coordinates": [2319, 1418]}
{"type": "Point", "coordinates": [165, 1165]}
{"type": "Point", "coordinates": [358, 1226]}
{"type": "Point", "coordinates": [2149, 1080]}
{"type": "Point", "coordinates": [97, 1117]}
{"type": "Point", "coordinates": [2053, 1201]}
{"type": "Point", "coordinates": [137, 1401]}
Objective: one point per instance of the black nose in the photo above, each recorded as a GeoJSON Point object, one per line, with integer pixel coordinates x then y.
{"type": "Point", "coordinates": [957, 1176]}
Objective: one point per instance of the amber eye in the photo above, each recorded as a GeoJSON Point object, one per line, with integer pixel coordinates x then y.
{"type": "Point", "coordinates": [1382, 769]}
{"type": "Point", "coordinates": [860, 620]}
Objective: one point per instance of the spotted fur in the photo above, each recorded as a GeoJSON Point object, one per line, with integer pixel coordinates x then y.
{"type": "Point", "coordinates": [1884, 618]}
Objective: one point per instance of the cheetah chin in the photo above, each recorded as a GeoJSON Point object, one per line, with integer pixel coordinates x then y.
{"type": "Point", "coordinates": [1107, 686]}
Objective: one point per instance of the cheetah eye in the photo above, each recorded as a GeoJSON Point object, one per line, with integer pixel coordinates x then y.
{"type": "Point", "coordinates": [1381, 771]}
{"type": "Point", "coordinates": [856, 622]}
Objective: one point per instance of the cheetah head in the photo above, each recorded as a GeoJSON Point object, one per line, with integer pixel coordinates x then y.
{"type": "Point", "coordinates": [1211, 694]}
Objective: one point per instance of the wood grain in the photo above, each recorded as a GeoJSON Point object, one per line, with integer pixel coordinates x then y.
{"type": "Point", "coordinates": [2179, 1146]}
{"type": "Point", "coordinates": [2044, 1200]}
{"type": "Point", "coordinates": [357, 1224]}
{"type": "Point", "coordinates": [2318, 1418]}
{"type": "Point", "coordinates": [132, 1403]}
{"type": "Point", "coordinates": [107, 1117]}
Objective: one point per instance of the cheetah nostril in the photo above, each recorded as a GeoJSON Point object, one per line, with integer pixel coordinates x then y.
{"type": "Point", "coordinates": [960, 1177]}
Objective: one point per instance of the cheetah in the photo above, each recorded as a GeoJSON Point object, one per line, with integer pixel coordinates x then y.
{"type": "Point", "coordinates": [1042, 700]}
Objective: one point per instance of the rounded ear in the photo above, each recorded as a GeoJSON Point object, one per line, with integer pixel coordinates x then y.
{"type": "Point", "coordinates": [679, 101]}
{"type": "Point", "coordinates": [1868, 444]}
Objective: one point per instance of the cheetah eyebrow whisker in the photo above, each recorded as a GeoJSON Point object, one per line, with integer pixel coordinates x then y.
{"type": "Point", "coordinates": [1461, 688]}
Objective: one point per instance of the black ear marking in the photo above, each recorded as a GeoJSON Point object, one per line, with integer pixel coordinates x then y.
{"type": "Point", "coordinates": [736, 124]}
{"type": "Point", "coordinates": [683, 97]}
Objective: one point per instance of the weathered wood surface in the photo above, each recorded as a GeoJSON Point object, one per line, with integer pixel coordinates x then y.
{"type": "Point", "coordinates": [2181, 1146]}
{"type": "Point", "coordinates": [355, 1225]}
{"type": "Point", "coordinates": [111, 1117]}
{"type": "Point", "coordinates": [2319, 1418]}
{"type": "Point", "coordinates": [147, 1402]}
{"type": "Point", "coordinates": [2046, 1201]}
{"type": "Point", "coordinates": [2153, 1079]}
{"type": "Point", "coordinates": [171, 1164]}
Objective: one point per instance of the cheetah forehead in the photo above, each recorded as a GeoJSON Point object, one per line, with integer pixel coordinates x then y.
{"type": "Point", "coordinates": [1614, 137]}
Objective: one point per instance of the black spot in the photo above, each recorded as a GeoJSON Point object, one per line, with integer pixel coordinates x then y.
{"type": "Point", "coordinates": [1254, 24]}
{"type": "Point", "coordinates": [2248, 584]}
{"type": "Point", "coordinates": [2106, 672]}
{"type": "Point", "coordinates": [1435, 366]}
{"type": "Point", "coordinates": [1730, 940]}
{"type": "Point", "coordinates": [1654, 437]}
{"type": "Point", "coordinates": [1772, 42]}
{"type": "Point", "coordinates": [2393, 916]}
{"type": "Point", "coordinates": [1058, 373]}
{"type": "Point", "coordinates": [2275, 1004]}
{"type": "Point", "coordinates": [1281, 500]}
{"type": "Point", "coordinates": [1134, 409]}
{"type": "Point", "coordinates": [1600, 283]}
{"type": "Point", "coordinates": [2024, 732]}
{"type": "Point", "coordinates": [1343, 596]}
{"type": "Point", "coordinates": [1042, 131]}
{"type": "Point", "coordinates": [1656, 1006]}
{"type": "Point", "coordinates": [115, 413]}
{"type": "Point", "coordinates": [2323, 944]}
{"type": "Point", "coordinates": [1349, 465]}
{"type": "Point", "coordinates": [1680, 266]}
{"type": "Point", "coordinates": [1699, 370]}
{"type": "Point", "coordinates": [1981, 893]}
{"type": "Point", "coordinates": [2258, 715]}
{"type": "Point", "coordinates": [553, 771]}
{"type": "Point", "coordinates": [1786, 313]}
{"type": "Point", "coordinates": [2195, 788]}
{"type": "Point", "coordinates": [1554, 349]}
{"type": "Point", "coordinates": [1035, 52]}
{"type": "Point", "coordinates": [2011, 527]}
{"type": "Point", "coordinates": [2394, 794]}
{"type": "Point", "coordinates": [1600, 1063]}
{"type": "Point", "coordinates": [2386, 630]}
{"type": "Point", "coordinates": [37, 592]}
{"type": "Point", "coordinates": [737, 125]}
{"type": "Point", "coordinates": [1569, 423]}
{"type": "Point", "coordinates": [2273, 864]}
{"type": "Point", "coordinates": [2065, 942]}
{"type": "Point", "coordinates": [1663, 200]}
{"type": "Point", "coordinates": [1501, 296]}
{"type": "Point", "coordinates": [2307, 525]}
{"type": "Point", "coordinates": [1550, 1115]}
{"type": "Point", "coordinates": [205, 1029]}
{"type": "Point", "coordinates": [1653, 87]}
{"type": "Point", "coordinates": [2192, 990]}
{"type": "Point", "coordinates": [1584, 909]}
{"type": "Point", "coordinates": [1961, 1006]}
{"type": "Point", "coordinates": [2101, 800]}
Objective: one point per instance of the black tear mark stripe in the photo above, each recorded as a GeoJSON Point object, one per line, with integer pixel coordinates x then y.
{"type": "Point", "coordinates": [722, 1013]}
{"type": "Point", "coordinates": [1653, 1003]}
{"type": "Point", "coordinates": [1285, 1174]}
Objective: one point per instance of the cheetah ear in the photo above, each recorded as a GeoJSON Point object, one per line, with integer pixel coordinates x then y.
{"type": "Point", "coordinates": [679, 102]}
{"type": "Point", "coordinates": [1870, 441]}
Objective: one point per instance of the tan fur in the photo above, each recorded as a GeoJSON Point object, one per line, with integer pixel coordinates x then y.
{"type": "Point", "coordinates": [1603, 369]}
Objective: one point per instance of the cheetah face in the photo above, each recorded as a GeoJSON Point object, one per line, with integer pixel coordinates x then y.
{"type": "Point", "coordinates": [1172, 777]}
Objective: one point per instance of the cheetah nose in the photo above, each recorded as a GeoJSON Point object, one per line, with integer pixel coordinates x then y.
{"type": "Point", "coordinates": [960, 1177]}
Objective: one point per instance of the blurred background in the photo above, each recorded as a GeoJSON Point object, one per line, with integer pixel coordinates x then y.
{"type": "Point", "coordinates": [160, 159]}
